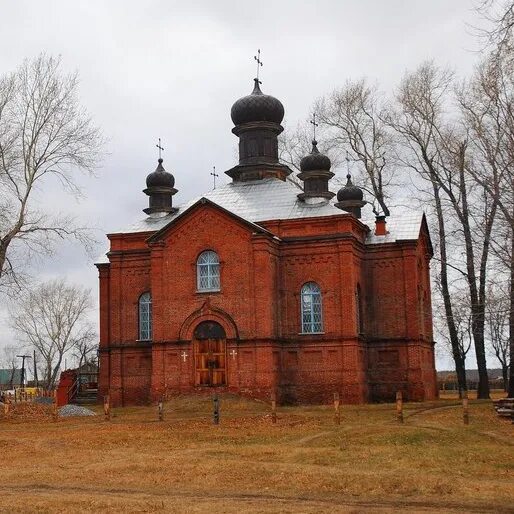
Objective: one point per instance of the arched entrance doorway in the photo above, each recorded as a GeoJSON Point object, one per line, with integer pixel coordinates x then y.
{"type": "Point", "coordinates": [209, 341]}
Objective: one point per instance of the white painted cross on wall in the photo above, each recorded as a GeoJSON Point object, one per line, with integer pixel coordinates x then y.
{"type": "Point", "coordinates": [184, 356]}
{"type": "Point", "coordinates": [233, 353]}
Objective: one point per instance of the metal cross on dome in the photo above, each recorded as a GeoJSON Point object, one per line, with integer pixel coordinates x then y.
{"type": "Point", "coordinates": [158, 145]}
{"type": "Point", "coordinates": [314, 125]}
{"type": "Point", "coordinates": [214, 175]}
{"type": "Point", "coordinates": [259, 63]}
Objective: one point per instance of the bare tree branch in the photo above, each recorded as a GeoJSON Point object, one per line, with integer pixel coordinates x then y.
{"type": "Point", "coordinates": [52, 319]}
{"type": "Point", "coordinates": [43, 132]}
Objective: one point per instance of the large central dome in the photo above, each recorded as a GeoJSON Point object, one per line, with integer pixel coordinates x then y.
{"type": "Point", "coordinates": [257, 107]}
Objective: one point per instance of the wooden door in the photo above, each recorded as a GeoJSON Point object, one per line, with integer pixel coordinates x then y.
{"type": "Point", "coordinates": [210, 355]}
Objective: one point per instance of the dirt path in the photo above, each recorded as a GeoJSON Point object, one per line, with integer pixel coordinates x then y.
{"type": "Point", "coordinates": [309, 438]}
{"type": "Point", "coordinates": [499, 438]}
{"type": "Point", "coordinates": [47, 498]}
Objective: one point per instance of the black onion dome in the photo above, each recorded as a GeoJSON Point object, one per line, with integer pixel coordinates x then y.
{"type": "Point", "coordinates": [315, 160]}
{"type": "Point", "coordinates": [257, 107]}
{"type": "Point", "coordinates": [160, 177]}
{"type": "Point", "coordinates": [350, 192]}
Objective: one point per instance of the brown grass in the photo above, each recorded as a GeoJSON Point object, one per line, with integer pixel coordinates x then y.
{"type": "Point", "coordinates": [304, 463]}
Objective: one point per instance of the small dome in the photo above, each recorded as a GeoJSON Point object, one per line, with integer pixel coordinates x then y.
{"type": "Point", "coordinates": [349, 192]}
{"type": "Point", "coordinates": [257, 107]}
{"type": "Point", "coordinates": [160, 177]}
{"type": "Point", "coordinates": [315, 160]}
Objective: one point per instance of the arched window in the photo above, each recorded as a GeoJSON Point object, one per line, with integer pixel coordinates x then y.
{"type": "Point", "coordinates": [145, 317]}
{"type": "Point", "coordinates": [312, 315]}
{"type": "Point", "coordinates": [208, 271]}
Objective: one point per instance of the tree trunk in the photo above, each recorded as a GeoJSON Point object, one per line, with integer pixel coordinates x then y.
{"type": "Point", "coordinates": [3, 256]}
{"type": "Point", "coordinates": [383, 206]}
{"type": "Point", "coordinates": [477, 300]}
{"type": "Point", "coordinates": [458, 358]}
{"type": "Point", "coordinates": [505, 376]}
{"type": "Point", "coordinates": [511, 318]}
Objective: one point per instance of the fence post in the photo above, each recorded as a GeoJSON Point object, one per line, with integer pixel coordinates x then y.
{"type": "Point", "coordinates": [107, 407]}
{"type": "Point", "coordinates": [465, 408]}
{"type": "Point", "coordinates": [55, 412]}
{"type": "Point", "coordinates": [337, 413]}
{"type": "Point", "coordinates": [216, 413]}
{"type": "Point", "coordinates": [7, 404]}
{"type": "Point", "coordinates": [399, 407]}
{"type": "Point", "coordinates": [160, 409]}
{"type": "Point", "coordinates": [273, 407]}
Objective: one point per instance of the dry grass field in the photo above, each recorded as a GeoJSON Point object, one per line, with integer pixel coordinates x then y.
{"type": "Point", "coordinates": [304, 463]}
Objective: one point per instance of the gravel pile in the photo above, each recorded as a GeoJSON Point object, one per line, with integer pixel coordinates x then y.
{"type": "Point", "coordinates": [75, 410]}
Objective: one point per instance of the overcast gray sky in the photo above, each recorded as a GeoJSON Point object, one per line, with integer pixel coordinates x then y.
{"type": "Point", "coordinates": [172, 69]}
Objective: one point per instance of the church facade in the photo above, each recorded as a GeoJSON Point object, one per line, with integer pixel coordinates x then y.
{"type": "Point", "coordinates": [259, 286]}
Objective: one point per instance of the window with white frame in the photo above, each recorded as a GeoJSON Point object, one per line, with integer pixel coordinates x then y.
{"type": "Point", "coordinates": [208, 271]}
{"type": "Point", "coordinates": [312, 315]}
{"type": "Point", "coordinates": [145, 317]}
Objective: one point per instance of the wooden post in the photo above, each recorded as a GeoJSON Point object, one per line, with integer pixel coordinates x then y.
{"type": "Point", "coordinates": [161, 410]}
{"type": "Point", "coordinates": [337, 413]}
{"type": "Point", "coordinates": [465, 408]}
{"type": "Point", "coordinates": [7, 404]}
{"type": "Point", "coordinates": [107, 407]}
{"type": "Point", "coordinates": [55, 412]}
{"type": "Point", "coordinates": [399, 407]}
{"type": "Point", "coordinates": [216, 412]}
{"type": "Point", "coordinates": [273, 407]}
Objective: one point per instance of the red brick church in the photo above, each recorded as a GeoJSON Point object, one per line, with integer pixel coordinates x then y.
{"type": "Point", "coordinates": [260, 286]}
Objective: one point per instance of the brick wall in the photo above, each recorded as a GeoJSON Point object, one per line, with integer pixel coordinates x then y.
{"type": "Point", "coordinates": [258, 306]}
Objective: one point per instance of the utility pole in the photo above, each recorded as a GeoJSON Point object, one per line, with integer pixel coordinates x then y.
{"type": "Point", "coordinates": [36, 381]}
{"type": "Point", "coordinates": [23, 357]}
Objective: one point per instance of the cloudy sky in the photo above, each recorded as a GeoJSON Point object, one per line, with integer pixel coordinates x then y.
{"type": "Point", "coordinates": [172, 69]}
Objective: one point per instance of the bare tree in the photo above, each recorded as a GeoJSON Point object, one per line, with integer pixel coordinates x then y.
{"type": "Point", "coordinates": [352, 116]}
{"type": "Point", "coordinates": [437, 149]}
{"type": "Point", "coordinates": [497, 312]}
{"type": "Point", "coordinates": [52, 318]}
{"type": "Point", "coordinates": [43, 133]}
{"type": "Point", "coordinates": [295, 144]}
{"type": "Point", "coordinates": [487, 104]}
{"type": "Point", "coordinates": [85, 349]}
{"type": "Point", "coordinates": [498, 34]}
{"type": "Point", "coordinates": [10, 361]}
{"type": "Point", "coordinates": [462, 321]}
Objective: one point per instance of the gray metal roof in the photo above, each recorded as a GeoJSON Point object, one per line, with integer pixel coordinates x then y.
{"type": "Point", "coordinates": [5, 377]}
{"type": "Point", "coordinates": [254, 201]}
{"type": "Point", "coordinates": [402, 227]}
{"type": "Point", "coordinates": [274, 199]}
